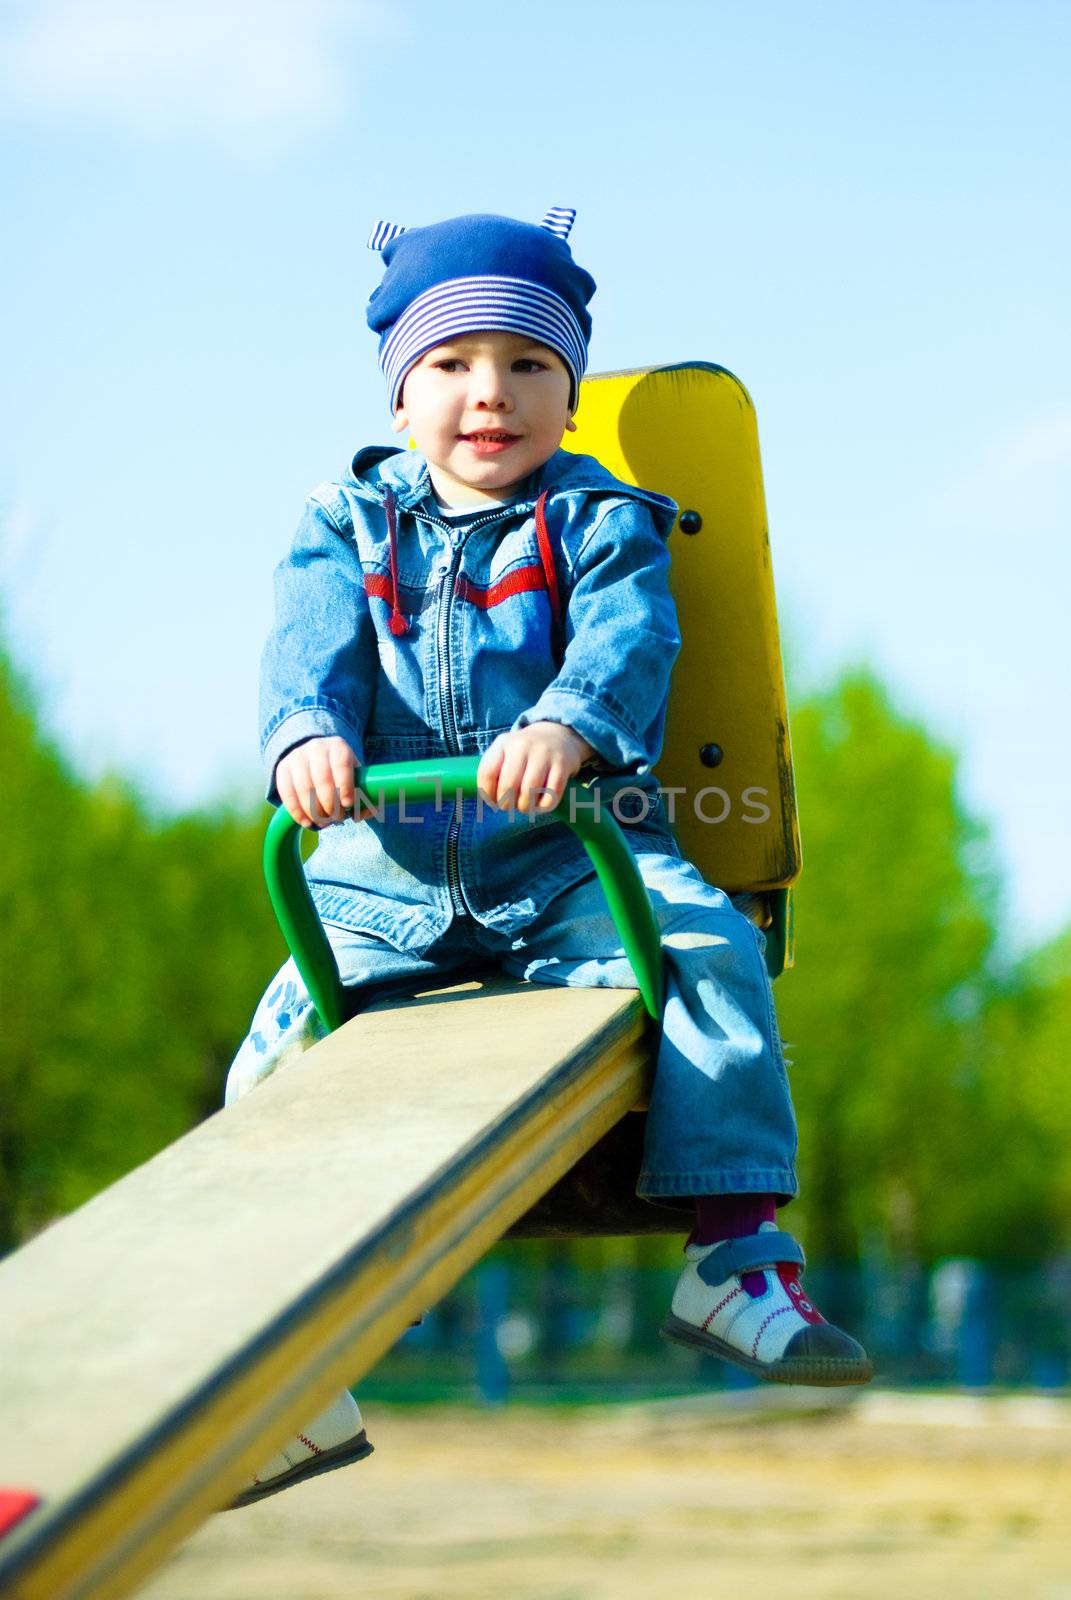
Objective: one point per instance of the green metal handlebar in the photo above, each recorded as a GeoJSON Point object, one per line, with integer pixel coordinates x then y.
{"type": "Point", "coordinates": [416, 782]}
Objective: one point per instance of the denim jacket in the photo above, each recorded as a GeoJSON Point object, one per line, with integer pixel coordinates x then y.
{"type": "Point", "coordinates": [472, 654]}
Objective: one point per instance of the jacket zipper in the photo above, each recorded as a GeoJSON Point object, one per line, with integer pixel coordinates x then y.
{"type": "Point", "coordinates": [446, 699]}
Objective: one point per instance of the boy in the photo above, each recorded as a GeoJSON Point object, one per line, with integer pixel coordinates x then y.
{"type": "Point", "coordinates": [489, 592]}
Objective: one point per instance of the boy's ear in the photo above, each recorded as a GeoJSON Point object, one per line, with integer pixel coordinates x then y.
{"type": "Point", "coordinates": [401, 420]}
{"type": "Point", "coordinates": [570, 426]}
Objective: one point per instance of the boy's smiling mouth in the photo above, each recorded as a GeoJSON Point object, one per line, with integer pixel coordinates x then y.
{"type": "Point", "coordinates": [487, 441]}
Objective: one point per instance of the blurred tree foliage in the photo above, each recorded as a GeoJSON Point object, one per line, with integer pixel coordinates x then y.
{"type": "Point", "coordinates": [899, 1083]}
{"type": "Point", "coordinates": [928, 1071]}
{"type": "Point", "coordinates": [132, 951]}
{"type": "Point", "coordinates": [1016, 1180]}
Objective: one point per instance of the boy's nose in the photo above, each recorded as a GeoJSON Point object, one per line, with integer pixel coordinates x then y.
{"type": "Point", "coordinates": [490, 390]}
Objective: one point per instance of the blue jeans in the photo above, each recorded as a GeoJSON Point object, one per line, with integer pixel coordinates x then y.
{"type": "Point", "coordinates": [720, 1118]}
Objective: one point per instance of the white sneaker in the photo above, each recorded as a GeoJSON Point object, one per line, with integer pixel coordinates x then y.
{"type": "Point", "coordinates": [742, 1300]}
{"type": "Point", "coordinates": [334, 1439]}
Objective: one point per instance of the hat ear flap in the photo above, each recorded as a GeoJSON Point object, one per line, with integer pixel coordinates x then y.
{"type": "Point", "coordinates": [383, 232]}
{"type": "Point", "coordinates": [559, 221]}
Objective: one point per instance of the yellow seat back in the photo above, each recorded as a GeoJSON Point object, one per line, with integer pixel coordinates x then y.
{"type": "Point", "coordinates": [689, 432]}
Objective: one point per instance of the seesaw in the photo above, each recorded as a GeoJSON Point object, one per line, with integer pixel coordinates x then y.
{"type": "Point", "coordinates": [162, 1340]}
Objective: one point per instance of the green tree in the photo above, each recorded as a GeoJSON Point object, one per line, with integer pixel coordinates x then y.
{"type": "Point", "coordinates": [132, 950]}
{"type": "Point", "coordinates": [1013, 1199]}
{"type": "Point", "coordinates": [35, 903]}
{"type": "Point", "coordinates": [894, 919]}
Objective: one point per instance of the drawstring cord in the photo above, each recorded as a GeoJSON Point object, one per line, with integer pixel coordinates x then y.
{"type": "Point", "coordinates": [398, 624]}
{"type": "Point", "coordinates": [550, 572]}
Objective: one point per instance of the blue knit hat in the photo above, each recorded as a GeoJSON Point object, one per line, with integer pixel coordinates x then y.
{"type": "Point", "coordinates": [479, 273]}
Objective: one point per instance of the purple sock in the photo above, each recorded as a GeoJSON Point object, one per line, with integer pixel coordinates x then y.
{"type": "Point", "coordinates": [733, 1216]}
{"type": "Point", "coordinates": [730, 1216]}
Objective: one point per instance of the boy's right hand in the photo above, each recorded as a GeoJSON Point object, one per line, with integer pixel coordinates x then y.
{"type": "Point", "coordinates": [317, 782]}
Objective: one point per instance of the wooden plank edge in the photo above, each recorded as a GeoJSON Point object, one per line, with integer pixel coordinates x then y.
{"type": "Point", "coordinates": [102, 1543]}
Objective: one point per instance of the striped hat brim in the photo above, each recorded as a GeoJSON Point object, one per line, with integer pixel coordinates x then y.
{"type": "Point", "coordinates": [470, 305]}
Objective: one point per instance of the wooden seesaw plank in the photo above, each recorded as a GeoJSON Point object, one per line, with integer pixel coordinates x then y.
{"type": "Point", "coordinates": [157, 1345]}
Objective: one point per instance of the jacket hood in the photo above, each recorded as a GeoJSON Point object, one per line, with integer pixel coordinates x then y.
{"type": "Point", "coordinates": [379, 468]}
{"type": "Point", "coordinates": [398, 480]}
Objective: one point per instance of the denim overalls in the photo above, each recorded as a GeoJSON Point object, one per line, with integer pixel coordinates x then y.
{"type": "Point", "coordinates": [415, 638]}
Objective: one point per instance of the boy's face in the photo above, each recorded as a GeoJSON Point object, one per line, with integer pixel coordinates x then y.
{"type": "Point", "coordinates": [485, 409]}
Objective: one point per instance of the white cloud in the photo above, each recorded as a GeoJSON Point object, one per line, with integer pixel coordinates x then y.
{"type": "Point", "coordinates": [237, 68]}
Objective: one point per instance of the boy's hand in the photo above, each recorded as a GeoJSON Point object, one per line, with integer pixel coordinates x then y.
{"type": "Point", "coordinates": [531, 766]}
{"type": "Point", "coordinates": [316, 782]}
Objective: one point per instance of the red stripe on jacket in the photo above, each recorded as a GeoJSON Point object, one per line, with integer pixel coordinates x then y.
{"type": "Point", "coordinates": [521, 580]}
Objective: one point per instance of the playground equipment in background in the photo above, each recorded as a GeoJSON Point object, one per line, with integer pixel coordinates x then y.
{"type": "Point", "coordinates": [161, 1341]}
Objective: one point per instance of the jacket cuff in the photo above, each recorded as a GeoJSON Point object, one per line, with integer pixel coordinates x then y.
{"type": "Point", "coordinates": [607, 734]}
{"type": "Point", "coordinates": [310, 722]}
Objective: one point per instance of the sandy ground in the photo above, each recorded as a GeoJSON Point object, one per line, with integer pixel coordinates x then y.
{"type": "Point", "coordinates": [942, 1498]}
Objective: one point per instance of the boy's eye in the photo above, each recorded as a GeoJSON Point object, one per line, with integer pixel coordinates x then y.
{"type": "Point", "coordinates": [522, 364]}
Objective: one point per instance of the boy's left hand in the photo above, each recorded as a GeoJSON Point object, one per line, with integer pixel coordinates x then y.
{"type": "Point", "coordinates": [531, 766]}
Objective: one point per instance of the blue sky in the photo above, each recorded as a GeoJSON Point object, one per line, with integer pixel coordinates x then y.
{"type": "Point", "coordinates": [861, 209]}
